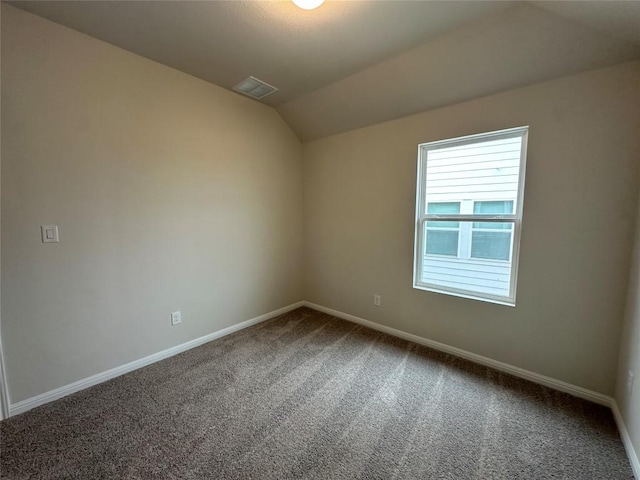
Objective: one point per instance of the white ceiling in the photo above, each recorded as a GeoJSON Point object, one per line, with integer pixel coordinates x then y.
{"type": "Point", "coordinates": [354, 63]}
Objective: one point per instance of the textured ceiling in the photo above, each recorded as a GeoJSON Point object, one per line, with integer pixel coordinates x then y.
{"type": "Point", "coordinates": [295, 50]}
{"type": "Point", "coordinates": [513, 48]}
{"type": "Point", "coordinates": [615, 17]}
{"type": "Point", "coordinates": [350, 64]}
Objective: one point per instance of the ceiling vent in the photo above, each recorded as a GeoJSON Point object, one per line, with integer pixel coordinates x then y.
{"type": "Point", "coordinates": [255, 88]}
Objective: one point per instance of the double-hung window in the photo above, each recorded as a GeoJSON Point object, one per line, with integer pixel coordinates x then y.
{"type": "Point", "coordinates": [469, 215]}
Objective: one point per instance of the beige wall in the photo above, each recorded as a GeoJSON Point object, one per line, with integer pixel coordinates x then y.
{"type": "Point", "coordinates": [170, 194]}
{"type": "Point", "coordinates": [581, 192]}
{"type": "Point", "coordinates": [173, 194]}
{"type": "Point", "coordinates": [630, 350]}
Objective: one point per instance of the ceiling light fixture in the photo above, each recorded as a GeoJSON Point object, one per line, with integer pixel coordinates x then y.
{"type": "Point", "coordinates": [308, 4]}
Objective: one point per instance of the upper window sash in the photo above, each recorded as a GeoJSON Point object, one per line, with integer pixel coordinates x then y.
{"type": "Point", "coordinates": [423, 149]}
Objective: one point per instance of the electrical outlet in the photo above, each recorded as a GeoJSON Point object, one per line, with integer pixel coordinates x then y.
{"type": "Point", "coordinates": [176, 318]}
{"type": "Point", "coordinates": [377, 300]}
{"type": "Point", "coordinates": [49, 233]}
{"type": "Point", "coordinates": [630, 383]}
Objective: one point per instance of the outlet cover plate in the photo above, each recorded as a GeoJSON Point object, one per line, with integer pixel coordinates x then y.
{"type": "Point", "coordinates": [49, 233]}
{"type": "Point", "coordinates": [176, 318]}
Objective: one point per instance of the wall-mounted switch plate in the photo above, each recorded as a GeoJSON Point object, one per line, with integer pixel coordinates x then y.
{"type": "Point", "coordinates": [176, 318]}
{"type": "Point", "coordinates": [49, 233]}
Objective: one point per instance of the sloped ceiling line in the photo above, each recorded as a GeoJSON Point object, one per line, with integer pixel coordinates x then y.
{"type": "Point", "coordinates": [351, 64]}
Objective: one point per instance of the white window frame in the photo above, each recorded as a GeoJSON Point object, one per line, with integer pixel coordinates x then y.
{"type": "Point", "coordinates": [515, 219]}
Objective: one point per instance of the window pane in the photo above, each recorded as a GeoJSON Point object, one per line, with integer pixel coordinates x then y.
{"type": "Point", "coordinates": [491, 245]}
{"type": "Point", "coordinates": [493, 207]}
{"type": "Point", "coordinates": [487, 171]}
{"type": "Point", "coordinates": [497, 207]}
{"type": "Point", "coordinates": [442, 242]}
{"type": "Point", "coordinates": [466, 273]}
{"type": "Point", "coordinates": [441, 209]}
{"type": "Point", "coordinates": [493, 225]}
{"type": "Point", "coordinates": [444, 207]}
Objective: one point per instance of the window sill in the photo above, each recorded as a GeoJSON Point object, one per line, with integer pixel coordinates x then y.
{"type": "Point", "coordinates": [508, 302]}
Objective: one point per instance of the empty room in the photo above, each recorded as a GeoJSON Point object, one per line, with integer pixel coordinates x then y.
{"type": "Point", "coordinates": [307, 239]}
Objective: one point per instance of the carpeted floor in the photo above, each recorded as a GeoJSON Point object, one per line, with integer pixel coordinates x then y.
{"type": "Point", "coordinates": [306, 395]}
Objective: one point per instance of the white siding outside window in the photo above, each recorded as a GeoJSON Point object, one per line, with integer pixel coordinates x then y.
{"type": "Point", "coordinates": [468, 215]}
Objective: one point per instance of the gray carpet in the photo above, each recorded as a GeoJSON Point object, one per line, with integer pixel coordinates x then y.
{"type": "Point", "coordinates": [306, 395]}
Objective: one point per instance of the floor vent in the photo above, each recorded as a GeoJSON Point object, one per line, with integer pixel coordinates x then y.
{"type": "Point", "coordinates": [255, 88]}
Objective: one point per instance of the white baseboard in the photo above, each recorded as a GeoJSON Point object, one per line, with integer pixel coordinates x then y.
{"type": "Point", "coordinates": [596, 397]}
{"type": "Point", "coordinates": [458, 352]}
{"type": "Point", "coordinates": [57, 393]}
{"type": "Point", "coordinates": [626, 439]}
{"type": "Point", "coordinates": [504, 367]}
{"type": "Point", "coordinates": [4, 393]}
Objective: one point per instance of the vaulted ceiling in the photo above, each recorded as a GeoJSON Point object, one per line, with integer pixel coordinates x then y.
{"type": "Point", "coordinates": [349, 64]}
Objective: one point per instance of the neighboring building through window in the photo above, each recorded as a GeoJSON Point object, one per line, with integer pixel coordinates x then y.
{"type": "Point", "coordinates": [469, 215]}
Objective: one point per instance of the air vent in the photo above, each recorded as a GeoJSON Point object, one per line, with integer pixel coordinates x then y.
{"type": "Point", "coordinates": [255, 88]}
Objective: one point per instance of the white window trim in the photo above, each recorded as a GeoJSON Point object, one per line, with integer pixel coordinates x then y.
{"type": "Point", "coordinates": [516, 219]}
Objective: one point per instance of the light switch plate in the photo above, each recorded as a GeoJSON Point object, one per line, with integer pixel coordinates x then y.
{"type": "Point", "coordinates": [49, 233]}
